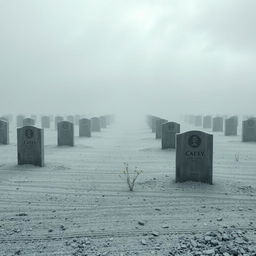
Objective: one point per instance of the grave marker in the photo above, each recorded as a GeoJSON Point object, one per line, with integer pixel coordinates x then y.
{"type": "Point", "coordinates": [65, 133]}
{"type": "Point", "coordinates": [4, 132]}
{"type": "Point", "coordinates": [169, 131]}
{"type": "Point", "coordinates": [194, 157]}
{"type": "Point", "coordinates": [85, 127]}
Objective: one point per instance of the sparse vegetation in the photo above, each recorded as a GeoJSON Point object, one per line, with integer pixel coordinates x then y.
{"type": "Point", "coordinates": [131, 179]}
{"type": "Point", "coordinates": [237, 157]}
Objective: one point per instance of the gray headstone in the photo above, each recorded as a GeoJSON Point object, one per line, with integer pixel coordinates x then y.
{"type": "Point", "coordinates": [207, 122]}
{"type": "Point", "coordinates": [30, 145]}
{"type": "Point", "coordinates": [169, 131]}
{"type": "Point", "coordinates": [19, 120]}
{"type": "Point", "coordinates": [194, 157]}
{"type": "Point", "coordinates": [57, 120]}
{"type": "Point", "coordinates": [4, 132]}
{"type": "Point", "coordinates": [95, 124]}
{"type": "Point", "coordinates": [217, 124]}
{"type": "Point", "coordinates": [159, 123]}
{"type": "Point", "coordinates": [45, 122]}
{"type": "Point", "coordinates": [249, 130]}
{"type": "Point", "coordinates": [85, 127]}
{"type": "Point", "coordinates": [154, 119]}
{"type": "Point", "coordinates": [231, 126]}
{"type": "Point", "coordinates": [198, 121]}
{"type": "Point", "coordinates": [65, 133]}
{"type": "Point", "coordinates": [103, 122]}
{"type": "Point", "coordinates": [28, 122]}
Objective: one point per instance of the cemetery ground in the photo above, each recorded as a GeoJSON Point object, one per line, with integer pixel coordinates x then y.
{"type": "Point", "coordinates": [79, 205]}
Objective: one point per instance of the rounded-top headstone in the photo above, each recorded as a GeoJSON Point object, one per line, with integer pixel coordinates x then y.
{"type": "Point", "coordinates": [30, 145]}
{"type": "Point", "coordinates": [159, 123]}
{"type": "Point", "coordinates": [194, 157]}
{"type": "Point", "coordinates": [95, 124]}
{"type": "Point", "coordinates": [217, 124]}
{"type": "Point", "coordinates": [169, 131]}
{"type": "Point", "coordinates": [85, 127]}
{"type": "Point", "coordinates": [65, 133]}
{"type": "Point", "coordinates": [249, 130]}
{"type": "Point", "coordinates": [4, 132]}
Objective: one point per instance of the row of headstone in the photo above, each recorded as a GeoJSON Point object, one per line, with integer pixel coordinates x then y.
{"type": "Point", "coordinates": [194, 152]}
{"type": "Point", "coordinates": [30, 146]}
{"type": "Point", "coordinates": [228, 125]}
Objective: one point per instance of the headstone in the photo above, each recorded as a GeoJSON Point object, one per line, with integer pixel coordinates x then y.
{"type": "Point", "coordinates": [85, 127]}
{"type": "Point", "coordinates": [70, 119]}
{"type": "Point", "coordinates": [217, 124]}
{"type": "Point", "coordinates": [207, 122]}
{"type": "Point", "coordinates": [95, 124]}
{"type": "Point", "coordinates": [4, 132]}
{"type": "Point", "coordinates": [19, 120]}
{"type": "Point", "coordinates": [103, 122]}
{"type": "Point", "coordinates": [194, 157]}
{"type": "Point", "coordinates": [231, 126]}
{"type": "Point", "coordinates": [45, 122]}
{"type": "Point", "coordinates": [249, 130]}
{"type": "Point", "coordinates": [198, 121]}
{"type": "Point", "coordinates": [154, 119]}
{"type": "Point", "coordinates": [28, 122]}
{"type": "Point", "coordinates": [57, 120]}
{"type": "Point", "coordinates": [169, 131]}
{"type": "Point", "coordinates": [65, 133]}
{"type": "Point", "coordinates": [159, 123]}
{"type": "Point", "coordinates": [30, 145]}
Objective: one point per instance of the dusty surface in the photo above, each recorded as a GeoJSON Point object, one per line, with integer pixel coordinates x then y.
{"type": "Point", "coordinates": [79, 200]}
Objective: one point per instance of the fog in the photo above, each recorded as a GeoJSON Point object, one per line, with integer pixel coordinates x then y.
{"type": "Point", "coordinates": [133, 57]}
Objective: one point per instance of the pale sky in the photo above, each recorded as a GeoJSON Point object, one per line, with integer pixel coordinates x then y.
{"type": "Point", "coordinates": [107, 56]}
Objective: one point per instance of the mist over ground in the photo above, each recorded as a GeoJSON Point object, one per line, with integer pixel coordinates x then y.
{"type": "Point", "coordinates": [131, 57]}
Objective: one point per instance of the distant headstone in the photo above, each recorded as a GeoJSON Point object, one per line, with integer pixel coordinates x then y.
{"type": "Point", "coordinates": [154, 119]}
{"type": "Point", "coordinates": [45, 122]}
{"type": "Point", "coordinates": [103, 122]}
{"type": "Point", "coordinates": [19, 120]}
{"type": "Point", "coordinates": [231, 126]}
{"type": "Point", "coordinates": [4, 132]}
{"type": "Point", "coordinates": [95, 124]}
{"type": "Point", "coordinates": [65, 133]}
{"type": "Point", "coordinates": [159, 123]}
{"type": "Point", "coordinates": [77, 118]}
{"type": "Point", "coordinates": [207, 122]}
{"type": "Point", "coordinates": [249, 130]}
{"type": "Point", "coordinates": [198, 121]}
{"type": "Point", "coordinates": [57, 120]}
{"type": "Point", "coordinates": [169, 131]}
{"type": "Point", "coordinates": [30, 145]}
{"type": "Point", "coordinates": [70, 119]}
{"type": "Point", "coordinates": [85, 127]}
{"type": "Point", "coordinates": [28, 122]}
{"type": "Point", "coordinates": [194, 157]}
{"type": "Point", "coordinates": [217, 124]}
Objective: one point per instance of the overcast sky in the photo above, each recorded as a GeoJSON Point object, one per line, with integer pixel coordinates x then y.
{"type": "Point", "coordinates": [107, 56]}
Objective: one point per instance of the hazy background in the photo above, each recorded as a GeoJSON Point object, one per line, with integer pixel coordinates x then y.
{"type": "Point", "coordinates": [130, 56]}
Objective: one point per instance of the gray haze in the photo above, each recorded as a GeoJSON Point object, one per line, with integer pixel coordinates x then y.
{"type": "Point", "coordinates": [103, 56]}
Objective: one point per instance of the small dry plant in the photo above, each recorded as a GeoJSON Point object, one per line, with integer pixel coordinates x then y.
{"type": "Point", "coordinates": [131, 179]}
{"type": "Point", "coordinates": [237, 157]}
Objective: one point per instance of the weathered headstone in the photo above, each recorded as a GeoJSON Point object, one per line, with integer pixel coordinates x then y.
{"type": "Point", "coordinates": [159, 123]}
{"type": "Point", "coordinates": [169, 131]}
{"type": "Point", "coordinates": [217, 124]}
{"type": "Point", "coordinates": [198, 121]}
{"type": "Point", "coordinates": [249, 130]}
{"type": "Point", "coordinates": [28, 122]}
{"type": "Point", "coordinates": [85, 127]}
{"type": "Point", "coordinates": [19, 120]}
{"type": "Point", "coordinates": [30, 145]}
{"type": "Point", "coordinates": [231, 126]}
{"type": "Point", "coordinates": [4, 132]}
{"type": "Point", "coordinates": [194, 156]}
{"type": "Point", "coordinates": [207, 122]}
{"type": "Point", "coordinates": [65, 133]}
{"type": "Point", "coordinates": [95, 124]}
{"type": "Point", "coordinates": [57, 120]}
{"type": "Point", "coordinates": [103, 122]}
{"type": "Point", "coordinates": [45, 122]}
